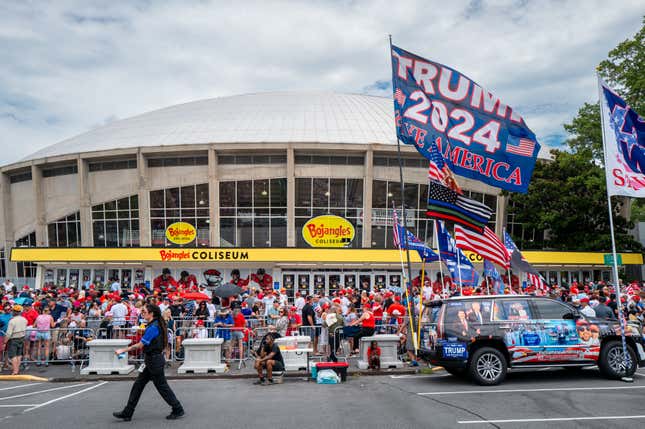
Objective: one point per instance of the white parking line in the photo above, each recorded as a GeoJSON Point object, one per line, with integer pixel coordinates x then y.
{"type": "Point", "coordinates": [41, 391]}
{"type": "Point", "coordinates": [559, 419]}
{"type": "Point", "coordinates": [413, 376]}
{"type": "Point", "coordinates": [65, 397]}
{"type": "Point", "coordinates": [15, 406]}
{"type": "Point", "coordinates": [20, 386]}
{"type": "Point", "coordinates": [562, 389]}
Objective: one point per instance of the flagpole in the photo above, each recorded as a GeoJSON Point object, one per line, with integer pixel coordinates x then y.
{"type": "Point", "coordinates": [423, 271]}
{"type": "Point", "coordinates": [405, 223]}
{"type": "Point", "coordinates": [461, 288]}
{"type": "Point", "coordinates": [436, 236]}
{"type": "Point", "coordinates": [508, 269]}
{"type": "Point", "coordinates": [626, 357]}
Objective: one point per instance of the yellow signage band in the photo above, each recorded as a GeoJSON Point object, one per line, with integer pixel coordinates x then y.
{"type": "Point", "coordinates": [280, 255]}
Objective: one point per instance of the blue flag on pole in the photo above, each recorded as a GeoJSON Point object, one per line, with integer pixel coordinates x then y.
{"type": "Point", "coordinates": [400, 233]}
{"type": "Point", "coordinates": [491, 271]}
{"type": "Point", "coordinates": [478, 135]}
{"type": "Point", "coordinates": [449, 254]}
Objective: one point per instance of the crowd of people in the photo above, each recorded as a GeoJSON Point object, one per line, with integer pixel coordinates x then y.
{"type": "Point", "coordinates": [56, 323]}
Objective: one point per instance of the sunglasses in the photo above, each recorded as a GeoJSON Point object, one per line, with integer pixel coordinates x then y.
{"type": "Point", "coordinates": [583, 328]}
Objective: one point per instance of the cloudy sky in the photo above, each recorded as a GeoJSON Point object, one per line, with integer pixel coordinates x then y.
{"type": "Point", "coordinates": [70, 66]}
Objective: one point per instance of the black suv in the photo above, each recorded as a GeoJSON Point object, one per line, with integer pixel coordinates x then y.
{"type": "Point", "coordinates": [482, 336]}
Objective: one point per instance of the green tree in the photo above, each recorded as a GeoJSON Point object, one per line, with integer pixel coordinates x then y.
{"type": "Point", "coordinates": [567, 197]}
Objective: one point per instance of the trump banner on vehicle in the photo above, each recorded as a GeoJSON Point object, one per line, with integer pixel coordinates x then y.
{"type": "Point", "coordinates": [624, 139]}
{"type": "Point", "coordinates": [478, 135]}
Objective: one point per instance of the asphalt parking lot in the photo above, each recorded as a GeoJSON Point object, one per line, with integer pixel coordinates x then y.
{"type": "Point", "coordinates": [552, 398]}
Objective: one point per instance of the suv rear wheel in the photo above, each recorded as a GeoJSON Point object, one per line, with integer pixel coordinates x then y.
{"type": "Point", "coordinates": [612, 360]}
{"type": "Point", "coordinates": [488, 366]}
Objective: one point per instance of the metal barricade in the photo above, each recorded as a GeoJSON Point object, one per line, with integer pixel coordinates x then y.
{"type": "Point", "coordinates": [57, 345]}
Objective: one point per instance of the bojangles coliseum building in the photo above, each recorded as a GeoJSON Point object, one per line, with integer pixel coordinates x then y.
{"type": "Point", "coordinates": [300, 184]}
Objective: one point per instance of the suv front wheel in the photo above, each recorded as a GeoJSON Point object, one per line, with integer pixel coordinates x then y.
{"type": "Point", "coordinates": [488, 366]}
{"type": "Point", "coordinates": [612, 362]}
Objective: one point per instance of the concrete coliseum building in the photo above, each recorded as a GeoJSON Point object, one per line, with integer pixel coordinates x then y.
{"type": "Point", "coordinates": [246, 171]}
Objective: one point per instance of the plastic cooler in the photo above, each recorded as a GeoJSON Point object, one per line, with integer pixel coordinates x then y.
{"type": "Point", "coordinates": [339, 367]}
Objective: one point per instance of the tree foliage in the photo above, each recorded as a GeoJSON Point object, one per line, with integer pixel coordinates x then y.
{"type": "Point", "coordinates": [567, 197]}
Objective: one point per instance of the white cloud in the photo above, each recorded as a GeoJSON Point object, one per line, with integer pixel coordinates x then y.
{"type": "Point", "coordinates": [71, 66]}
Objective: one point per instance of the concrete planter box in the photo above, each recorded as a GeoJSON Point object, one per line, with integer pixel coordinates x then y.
{"type": "Point", "coordinates": [389, 356]}
{"type": "Point", "coordinates": [202, 355]}
{"type": "Point", "coordinates": [103, 361]}
{"type": "Point", "coordinates": [293, 360]}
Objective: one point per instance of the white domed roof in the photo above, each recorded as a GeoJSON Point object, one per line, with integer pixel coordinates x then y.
{"type": "Point", "coordinates": [279, 117]}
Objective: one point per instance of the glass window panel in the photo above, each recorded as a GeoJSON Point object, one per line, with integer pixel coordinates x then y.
{"type": "Point", "coordinates": [245, 193]}
{"type": "Point", "coordinates": [337, 212]}
{"type": "Point", "coordinates": [134, 214]}
{"type": "Point", "coordinates": [411, 193]}
{"type": "Point", "coordinates": [111, 234]}
{"type": "Point", "coordinates": [316, 159]}
{"type": "Point", "coordinates": [261, 193]}
{"type": "Point", "coordinates": [99, 234]}
{"type": "Point", "coordinates": [355, 160]}
{"type": "Point", "coordinates": [264, 211]}
{"type": "Point", "coordinates": [123, 204]}
{"type": "Point", "coordinates": [337, 192]}
{"type": "Point", "coordinates": [72, 234]}
{"type": "Point", "coordinates": [203, 213]}
{"type": "Point", "coordinates": [423, 197]}
{"type": "Point", "coordinates": [227, 231]}
{"type": "Point", "coordinates": [187, 213]}
{"type": "Point", "coordinates": [243, 159]}
{"type": "Point", "coordinates": [319, 212]}
{"type": "Point", "coordinates": [98, 208]}
{"type": "Point", "coordinates": [61, 230]}
{"type": "Point", "coordinates": [491, 201]}
{"type": "Point", "coordinates": [354, 192]}
{"type": "Point", "coordinates": [227, 212]}
{"type": "Point", "coordinates": [303, 192]}
{"type": "Point", "coordinates": [320, 193]}
{"type": "Point", "coordinates": [261, 232]}
{"type": "Point", "coordinates": [279, 211]}
{"type": "Point", "coordinates": [187, 197]}
{"type": "Point", "coordinates": [172, 198]}
{"type": "Point", "coordinates": [201, 195]}
{"type": "Point", "coordinates": [157, 213]}
{"type": "Point", "coordinates": [300, 241]}
{"type": "Point", "coordinates": [111, 205]}
{"type": "Point", "coordinates": [135, 232]}
{"type": "Point", "coordinates": [97, 215]}
{"type": "Point", "coordinates": [379, 194]}
{"type": "Point", "coordinates": [158, 232]}
{"type": "Point", "coordinates": [303, 212]}
{"type": "Point", "coordinates": [51, 235]}
{"type": "Point", "coordinates": [227, 194]}
{"type": "Point", "coordinates": [157, 199]}
{"type": "Point", "coordinates": [134, 202]}
{"type": "Point", "coordinates": [278, 192]}
{"type": "Point", "coordinates": [477, 196]}
{"type": "Point", "coordinates": [245, 232]}
{"type": "Point", "coordinates": [110, 215]}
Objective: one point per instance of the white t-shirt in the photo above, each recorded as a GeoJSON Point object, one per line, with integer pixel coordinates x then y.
{"type": "Point", "coordinates": [588, 311]}
{"type": "Point", "coordinates": [119, 312]}
{"type": "Point", "coordinates": [8, 286]}
{"type": "Point", "coordinates": [299, 303]}
{"type": "Point", "coordinates": [268, 303]}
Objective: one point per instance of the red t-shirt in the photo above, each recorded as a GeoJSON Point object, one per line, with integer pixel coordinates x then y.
{"type": "Point", "coordinates": [31, 316]}
{"type": "Point", "coordinates": [376, 351]}
{"type": "Point", "coordinates": [239, 321]}
{"type": "Point", "coordinates": [377, 311]}
{"type": "Point", "coordinates": [370, 320]}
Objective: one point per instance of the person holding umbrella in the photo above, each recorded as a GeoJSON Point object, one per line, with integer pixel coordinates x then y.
{"type": "Point", "coordinates": [153, 343]}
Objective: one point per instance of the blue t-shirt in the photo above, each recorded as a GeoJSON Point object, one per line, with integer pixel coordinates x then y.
{"type": "Point", "coordinates": [57, 311]}
{"type": "Point", "coordinates": [150, 334]}
{"type": "Point", "coordinates": [224, 332]}
{"type": "Point", "coordinates": [4, 322]}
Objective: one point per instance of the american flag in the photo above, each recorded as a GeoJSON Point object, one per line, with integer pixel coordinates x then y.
{"type": "Point", "coordinates": [537, 281]}
{"type": "Point", "coordinates": [488, 245]}
{"type": "Point", "coordinates": [523, 147]}
{"type": "Point", "coordinates": [395, 229]}
{"type": "Point", "coordinates": [399, 96]}
{"type": "Point", "coordinates": [438, 169]}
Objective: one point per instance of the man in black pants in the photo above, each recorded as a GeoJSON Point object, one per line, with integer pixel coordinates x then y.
{"type": "Point", "coordinates": [271, 359]}
{"type": "Point", "coordinates": [153, 342]}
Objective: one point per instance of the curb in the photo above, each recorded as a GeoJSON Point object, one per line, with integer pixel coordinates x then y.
{"type": "Point", "coordinates": [225, 376]}
{"type": "Point", "coordinates": [22, 377]}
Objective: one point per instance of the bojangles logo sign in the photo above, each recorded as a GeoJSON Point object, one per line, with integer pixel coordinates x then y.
{"type": "Point", "coordinates": [181, 233]}
{"type": "Point", "coordinates": [328, 231]}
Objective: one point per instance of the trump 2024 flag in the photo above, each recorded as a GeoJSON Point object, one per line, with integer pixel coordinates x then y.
{"type": "Point", "coordinates": [624, 139]}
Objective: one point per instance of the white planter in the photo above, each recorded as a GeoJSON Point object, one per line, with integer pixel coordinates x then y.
{"type": "Point", "coordinates": [103, 361]}
{"type": "Point", "coordinates": [294, 360]}
{"type": "Point", "coordinates": [389, 356]}
{"type": "Point", "coordinates": [202, 355]}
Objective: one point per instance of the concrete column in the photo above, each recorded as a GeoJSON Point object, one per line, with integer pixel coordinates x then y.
{"type": "Point", "coordinates": [502, 211]}
{"type": "Point", "coordinates": [7, 226]}
{"type": "Point", "coordinates": [213, 199]}
{"type": "Point", "coordinates": [39, 199]}
{"type": "Point", "coordinates": [87, 235]}
{"type": "Point", "coordinates": [291, 197]}
{"type": "Point", "coordinates": [368, 178]}
{"type": "Point", "coordinates": [145, 238]}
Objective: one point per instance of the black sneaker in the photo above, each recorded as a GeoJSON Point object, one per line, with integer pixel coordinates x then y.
{"type": "Point", "coordinates": [259, 382]}
{"type": "Point", "coordinates": [175, 415]}
{"type": "Point", "coordinates": [270, 381]}
{"type": "Point", "coordinates": [123, 416]}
